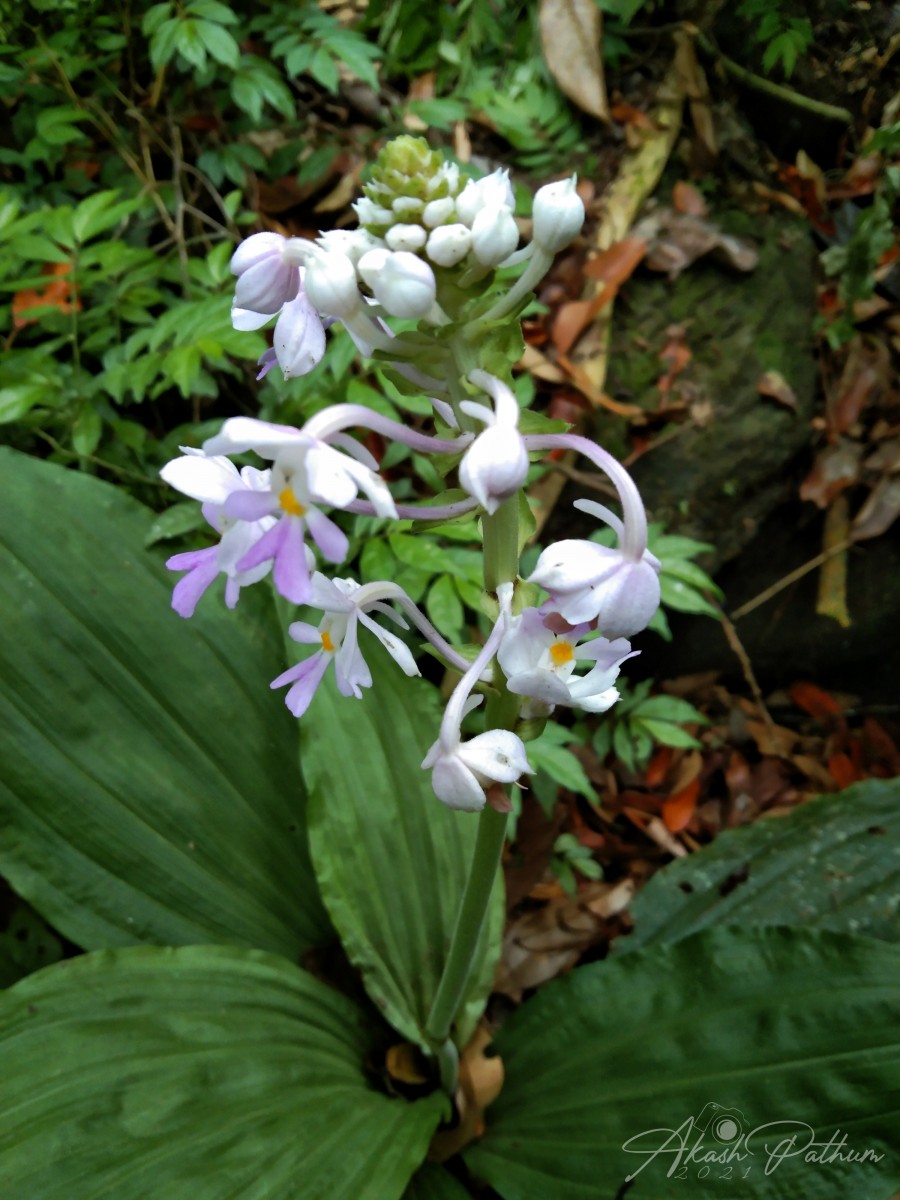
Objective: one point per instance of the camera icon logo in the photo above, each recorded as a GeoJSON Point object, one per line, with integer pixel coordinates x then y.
{"type": "Point", "coordinates": [725, 1124]}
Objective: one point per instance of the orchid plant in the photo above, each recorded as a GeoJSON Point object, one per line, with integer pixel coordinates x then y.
{"type": "Point", "coordinates": [260, 927]}
{"type": "Point", "coordinates": [430, 248]}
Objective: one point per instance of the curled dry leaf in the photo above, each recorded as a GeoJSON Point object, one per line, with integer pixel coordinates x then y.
{"type": "Point", "coordinates": [688, 199]}
{"type": "Point", "coordinates": [774, 385]}
{"type": "Point", "coordinates": [571, 34]}
{"type": "Point", "coordinates": [541, 944]}
{"type": "Point", "coordinates": [676, 240]}
{"type": "Point", "coordinates": [836, 468]}
{"type": "Point", "coordinates": [881, 509]}
{"type": "Point", "coordinates": [480, 1083]}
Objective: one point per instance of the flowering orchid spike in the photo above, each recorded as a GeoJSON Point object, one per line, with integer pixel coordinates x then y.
{"type": "Point", "coordinates": [539, 653]}
{"type": "Point", "coordinates": [346, 605]}
{"type": "Point", "coordinates": [462, 771]}
{"type": "Point", "coordinates": [495, 465]}
{"type": "Point", "coordinates": [212, 481]}
{"type": "Point", "coordinates": [618, 589]}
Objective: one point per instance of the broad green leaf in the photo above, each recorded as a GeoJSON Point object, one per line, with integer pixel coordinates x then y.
{"type": "Point", "coordinates": [699, 1045]}
{"type": "Point", "coordinates": [202, 1072]}
{"type": "Point", "coordinates": [832, 863]}
{"type": "Point", "coordinates": [391, 860]}
{"type": "Point", "coordinates": [150, 789]}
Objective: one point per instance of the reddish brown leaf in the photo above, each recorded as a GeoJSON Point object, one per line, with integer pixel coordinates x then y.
{"type": "Point", "coordinates": [688, 199]}
{"type": "Point", "coordinates": [627, 114]}
{"type": "Point", "coordinates": [842, 771]}
{"type": "Point", "coordinates": [678, 808]}
{"type": "Point", "coordinates": [865, 376]}
{"type": "Point", "coordinates": [613, 266]}
{"type": "Point", "coordinates": [835, 469]}
{"type": "Point", "coordinates": [658, 766]}
{"type": "Point", "coordinates": [815, 701]}
{"type": "Point", "coordinates": [57, 294]}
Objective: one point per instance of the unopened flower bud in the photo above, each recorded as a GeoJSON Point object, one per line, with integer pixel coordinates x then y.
{"type": "Point", "coordinates": [331, 284]}
{"type": "Point", "coordinates": [492, 192]}
{"type": "Point", "coordinates": [558, 215]}
{"type": "Point", "coordinates": [448, 245]}
{"type": "Point", "coordinates": [495, 235]}
{"type": "Point", "coordinates": [405, 237]}
{"type": "Point", "coordinates": [402, 283]}
{"type": "Point", "coordinates": [436, 212]}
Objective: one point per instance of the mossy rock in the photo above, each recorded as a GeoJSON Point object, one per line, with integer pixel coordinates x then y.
{"type": "Point", "coordinates": [720, 480]}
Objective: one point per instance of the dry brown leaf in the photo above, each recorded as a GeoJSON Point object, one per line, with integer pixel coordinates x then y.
{"type": "Point", "coordinates": [571, 35]}
{"type": "Point", "coordinates": [676, 240]}
{"type": "Point", "coordinates": [697, 91]}
{"type": "Point", "coordinates": [480, 1083]}
{"type": "Point", "coordinates": [835, 468]}
{"type": "Point", "coordinates": [541, 944]}
{"type": "Point", "coordinates": [881, 509]}
{"type": "Point", "coordinates": [866, 374]}
{"type": "Point", "coordinates": [774, 385]}
{"type": "Point", "coordinates": [688, 199]}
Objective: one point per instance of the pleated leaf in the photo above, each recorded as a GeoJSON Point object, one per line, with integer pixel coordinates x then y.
{"type": "Point", "coordinates": [833, 863]}
{"type": "Point", "coordinates": [150, 789]}
{"type": "Point", "coordinates": [648, 1075]}
{"type": "Point", "coordinates": [391, 860]}
{"type": "Point", "coordinates": [202, 1072]}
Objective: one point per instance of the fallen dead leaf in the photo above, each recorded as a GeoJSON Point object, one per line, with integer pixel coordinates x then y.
{"type": "Point", "coordinates": [480, 1083]}
{"type": "Point", "coordinates": [542, 944]}
{"type": "Point", "coordinates": [688, 199]}
{"type": "Point", "coordinates": [678, 808]}
{"type": "Point", "coordinates": [571, 35]}
{"type": "Point", "coordinates": [835, 468]}
{"type": "Point", "coordinates": [774, 385]}
{"type": "Point", "coordinates": [881, 509]}
{"type": "Point", "coordinates": [57, 294]}
{"type": "Point", "coordinates": [676, 240]}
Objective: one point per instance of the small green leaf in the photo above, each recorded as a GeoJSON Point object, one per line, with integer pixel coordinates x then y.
{"type": "Point", "coordinates": [444, 608]}
{"type": "Point", "coordinates": [670, 708]}
{"type": "Point", "coordinates": [663, 732]}
{"type": "Point", "coordinates": [86, 431]}
{"type": "Point", "coordinates": [219, 42]}
{"type": "Point", "coordinates": [181, 518]}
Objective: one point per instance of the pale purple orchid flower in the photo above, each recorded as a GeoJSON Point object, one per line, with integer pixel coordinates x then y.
{"type": "Point", "coordinates": [602, 585]}
{"type": "Point", "coordinates": [616, 588]}
{"type": "Point", "coordinates": [306, 472]}
{"type": "Point", "coordinates": [539, 653]}
{"type": "Point", "coordinates": [267, 267]}
{"type": "Point", "coordinates": [346, 605]}
{"type": "Point", "coordinates": [462, 771]}
{"type": "Point", "coordinates": [495, 465]}
{"type": "Point", "coordinates": [213, 481]}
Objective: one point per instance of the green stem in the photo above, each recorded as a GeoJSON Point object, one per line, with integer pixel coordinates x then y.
{"type": "Point", "coordinates": [822, 109]}
{"type": "Point", "coordinates": [501, 563]}
{"type": "Point", "coordinates": [469, 922]}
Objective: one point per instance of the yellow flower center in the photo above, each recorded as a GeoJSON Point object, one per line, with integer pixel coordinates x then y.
{"type": "Point", "coordinates": [561, 653]}
{"type": "Point", "coordinates": [290, 503]}
{"type": "Point", "coordinates": [327, 643]}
